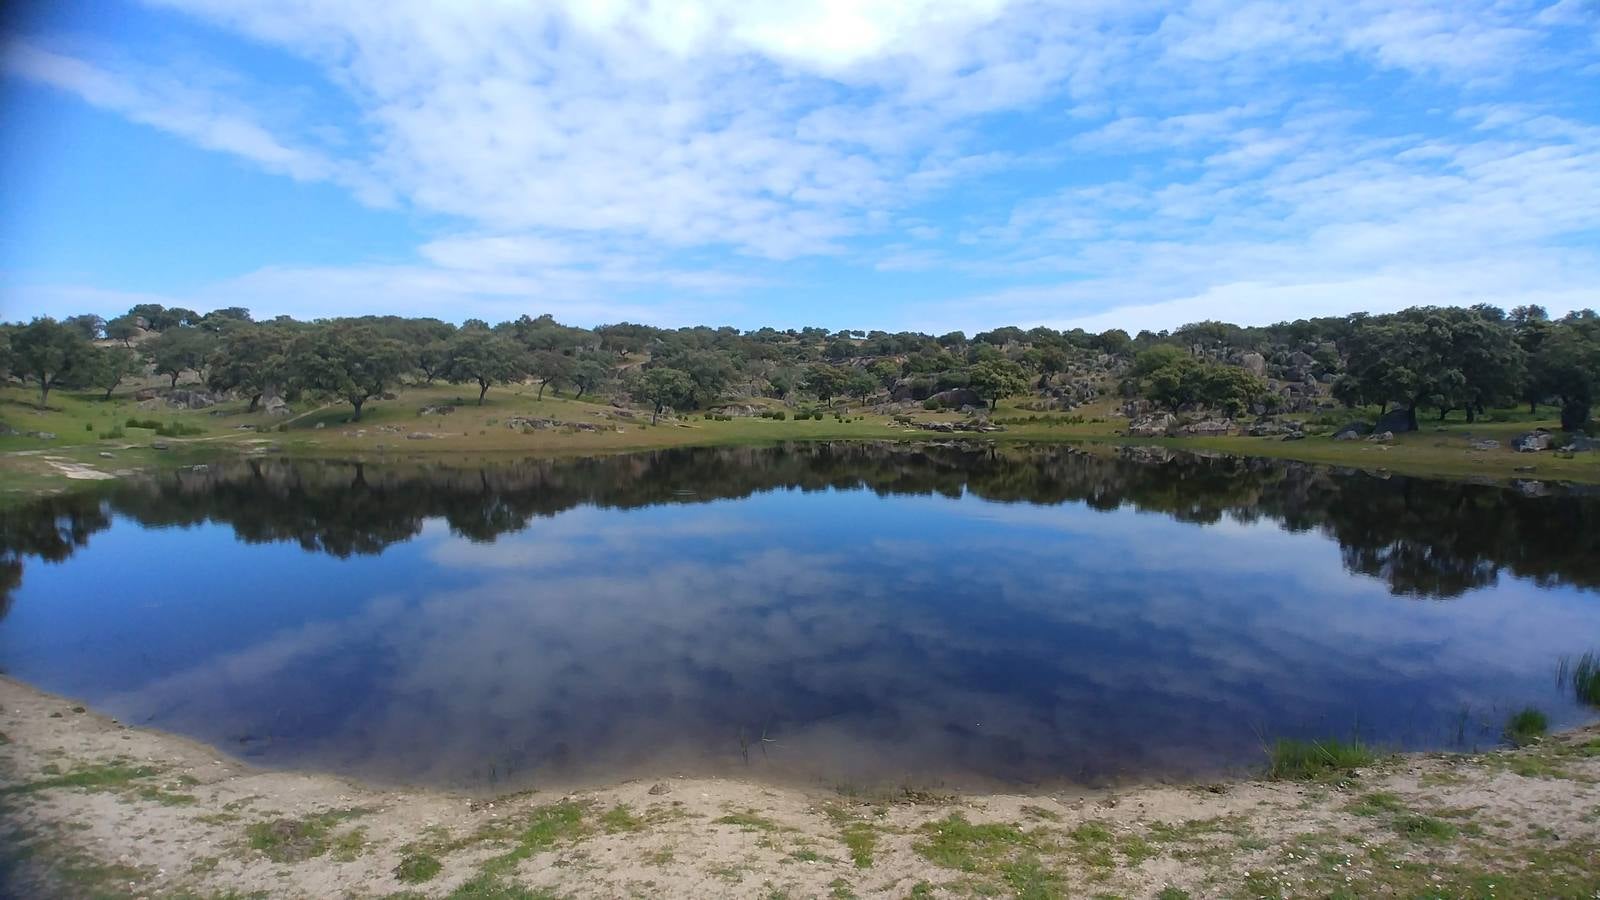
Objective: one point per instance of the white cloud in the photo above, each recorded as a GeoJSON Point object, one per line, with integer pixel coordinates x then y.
{"type": "Point", "coordinates": [1157, 156]}
{"type": "Point", "coordinates": [208, 119]}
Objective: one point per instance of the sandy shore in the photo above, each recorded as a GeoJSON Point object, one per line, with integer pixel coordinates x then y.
{"type": "Point", "coordinates": [90, 807]}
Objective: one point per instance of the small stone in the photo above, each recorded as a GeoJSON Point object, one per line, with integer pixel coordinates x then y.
{"type": "Point", "coordinates": [660, 788]}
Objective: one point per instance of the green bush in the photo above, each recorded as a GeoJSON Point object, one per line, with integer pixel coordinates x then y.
{"type": "Point", "coordinates": [151, 424]}
{"type": "Point", "coordinates": [780, 415]}
{"type": "Point", "coordinates": [115, 432]}
{"type": "Point", "coordinates": [178, 429]}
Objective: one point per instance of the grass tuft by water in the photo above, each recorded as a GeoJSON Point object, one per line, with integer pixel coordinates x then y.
{"type": "Point", "coordinates": [1295, 760]}
{"type": "Point", "coordinates": [1583, 676]}
{"type": "Point", "coordinates": [1526, 726]}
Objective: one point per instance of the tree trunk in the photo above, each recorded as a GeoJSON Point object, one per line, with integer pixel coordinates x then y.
{"type": "Point", "coordinates": [579, 394]}
{"type": "Point", "coordinates": [175, 380]}
{"type": "Point", "coordinates": [109, 390]}
{"type": "Point", "coordinates": [1533, 407]}
{"type": "Point", "coordinates": [255, 400]}
{"type": "Point", "coordinates": [993, 403]}
{"type": "Point", "coordinates": [1472, 414]}
{"type": "Point", "coordinates": [1443, 411]}
{"type": "Point", "coordinates": [483, 388]}
{"type": "Point", "coordinates": [541, 389]}
{"type": "Point", "coordinates": [1411, 416]}
{"type": "Point", "coordinates": [44, 391]}
{"type": "Point", "coordinates": [357, 405]}
{"type": "Point", "coordinates": [656, 414]}
{"type": "Point", "coordinates": [1574, 415]}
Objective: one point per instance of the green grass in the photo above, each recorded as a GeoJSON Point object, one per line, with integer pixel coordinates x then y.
{"type": "Point", "coordinates": [113, 776]}
{"type": "Point", "coordinates": [620, 818]}
{"type": "Point", "coordinates": [1420, 827]}
{"type": "Point", "coordinates": [1526, 726]}
{"type": "Point", "coordinates": [1296, 760]}
{"type": "Point", "coordinates": [1030, 880]}
{"type": "Point", "coordinates": [544, 828]}
{"type": "Point", "coordinates": [1377, 803]}
{"type": "Point", "coordinates": [295, 840]}
{"type": "Point", "coordinates": [415, 868]}
{"type": "Point", "coordinates": [493, 887]}
{"type": "Point", "coordinates": [861, 839]}
{"type": "Point", "coordinates": [955, 843]}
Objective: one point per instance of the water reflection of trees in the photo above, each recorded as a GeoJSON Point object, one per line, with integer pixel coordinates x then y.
{"type": "Point", "coordinates": [1424, 537]}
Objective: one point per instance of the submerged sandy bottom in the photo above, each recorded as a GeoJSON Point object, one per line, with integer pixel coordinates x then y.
{"type": "Point", "coordinates": [93, 807]}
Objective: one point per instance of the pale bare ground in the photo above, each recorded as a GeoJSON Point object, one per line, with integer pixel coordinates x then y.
{"type": "Point", "coordinates": [93, 808]}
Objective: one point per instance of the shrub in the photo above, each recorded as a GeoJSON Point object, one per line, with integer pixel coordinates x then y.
{"type": "Point", "coordinates": [115, 432]}
{"type": "Point", "coordinates": [177, 429]}
{"type": "Point", "coordinates": [932, 405]}
{"type": "Point", "coordinates": [88, 426]}
{"type": "Point", "coordinates": [1526, 726]}
{"type": "Point", "coordinates": [780, 415]}
{"type": "Point", "coordinates": [143, 423]}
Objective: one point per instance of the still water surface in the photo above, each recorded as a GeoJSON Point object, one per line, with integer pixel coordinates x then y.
{"type": "Point", "coordinates": [843, 614]}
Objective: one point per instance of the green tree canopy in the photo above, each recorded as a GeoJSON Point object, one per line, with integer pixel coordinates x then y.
{"type": "Point", "coordinates": [250, 359]}
{"type": "Point", "coordinates": [663, 387]}
{"type": "Point", "coordinates": [180, 349]}
{"type": "Point", "coordinates": [550, 367]}
{"type": "Point", "coordinates": [824, 381]}
{"type": "Point", "coordinates": [996, 378]}
{"type": "Point", "coordinates": [114, 365]}
{"type": "Point", "coordinates": [49, 354]}
{"type": "Point", "coordinates": [349, 361]}
{"type": "Point", "coordinates": [482, 356]}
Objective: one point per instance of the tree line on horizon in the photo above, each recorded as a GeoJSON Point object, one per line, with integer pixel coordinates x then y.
{"type": "Point", "coordinates": [1445, 359]}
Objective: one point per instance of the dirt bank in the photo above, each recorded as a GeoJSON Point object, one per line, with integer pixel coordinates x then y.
{"type": "Point", "coordinates": [89, 807]}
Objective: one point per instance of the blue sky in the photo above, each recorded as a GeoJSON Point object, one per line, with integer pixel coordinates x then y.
{"type": "Point", "coordinates": [912, 164]}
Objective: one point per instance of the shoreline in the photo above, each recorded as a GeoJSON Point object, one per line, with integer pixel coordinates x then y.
{"type": "Point", "coordinates": [34, 474]}
{"type": "Point", "coordinates": [79, 451]}
{"type": "Point", "coordinates": [95, 807]}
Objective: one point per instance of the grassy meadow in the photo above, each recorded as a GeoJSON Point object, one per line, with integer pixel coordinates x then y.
{"type": "Point", "coordinates": [93, 437]}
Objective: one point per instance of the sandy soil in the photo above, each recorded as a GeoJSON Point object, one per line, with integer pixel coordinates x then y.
{"type": "Point", "coordinates": [90, 807]}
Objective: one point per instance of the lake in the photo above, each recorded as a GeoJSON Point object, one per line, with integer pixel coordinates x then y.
{"type": "Point", "coordinates": [840, 614]}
